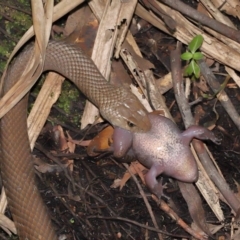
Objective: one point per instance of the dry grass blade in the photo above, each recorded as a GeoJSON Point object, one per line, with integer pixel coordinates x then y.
{"type": "Point", "coordinates": [208, 189]}
{"type": "Point", "coordinates": [23, 85]}
{"type": "Point", "coordinates": [217, 13]}
{"type": "Point", "coordinates": [111, 31]}
{"type": "Point", "coordinates": [48, 95]}
{"type": "Point", "coordinates": [64, 7]}
{"type": "Point", "coordinates": [5, 223]}
{"type": "Point", "coordinates": [42, 23]}
{"type": "Point", "coordinates": [231, 7]}
{"type": "Point", "coordinates": [35, 65]}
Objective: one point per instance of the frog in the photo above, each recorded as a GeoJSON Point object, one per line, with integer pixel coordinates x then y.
{"type": "Point", "coordinates": [164, 150]}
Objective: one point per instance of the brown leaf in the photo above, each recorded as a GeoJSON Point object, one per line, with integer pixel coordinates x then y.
{"type": "Point", "coordinates": [101, 142]}
{"type": "Point", "coordinates": [116, 183]}
{"type": "Point", "coordinates": [44, 167]}
{"type": "Point", "coordinates": [135, 168]}
{"type": "Point", "coordinates": [60, 138]}
{"type": "Point", "coordinates": [71, 145]}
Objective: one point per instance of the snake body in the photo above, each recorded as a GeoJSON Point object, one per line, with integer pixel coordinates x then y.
{"type": "Point", "coordinates": [117, 105]}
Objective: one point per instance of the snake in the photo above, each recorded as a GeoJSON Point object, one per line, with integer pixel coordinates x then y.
{"type": "Point", "coordinates": [117, 105]}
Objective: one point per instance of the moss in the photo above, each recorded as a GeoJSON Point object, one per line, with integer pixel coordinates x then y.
{"type": "Point", "coordinates": [68, 95]}
{"type": "Point", "coordinates": [14, 21]}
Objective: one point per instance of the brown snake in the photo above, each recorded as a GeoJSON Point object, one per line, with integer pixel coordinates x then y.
{"type": "Point", "coordinates": [116, 104]}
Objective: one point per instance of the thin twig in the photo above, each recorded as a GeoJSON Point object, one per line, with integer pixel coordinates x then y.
{"type": "Point", "coordinates": [144, 199]}
{"type": "Point", "coordinates": [139, 224]}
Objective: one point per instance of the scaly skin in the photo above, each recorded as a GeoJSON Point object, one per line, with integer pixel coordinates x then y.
{"type": "Point", "coordinates": [117, 105]}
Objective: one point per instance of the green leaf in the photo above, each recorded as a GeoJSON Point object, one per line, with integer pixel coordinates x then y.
{"type": "Point", "coordinates": [197, 56]}
{"type": "Point", "coordinates": [188, 70]}
{"type": "Point", "coordinates": [186, 56]}
{"type": "Point", "coordinates": [196, 43]}
{"type": "Point", "coordinates": [195, 68]}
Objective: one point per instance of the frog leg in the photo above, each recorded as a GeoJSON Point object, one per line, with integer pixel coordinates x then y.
{"type": "Point", "coordinates": [151, 179]}
{"type": "Point", "coordinates": [199, 133]}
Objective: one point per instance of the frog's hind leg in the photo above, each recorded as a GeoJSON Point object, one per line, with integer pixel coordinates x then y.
{"type": "Point", "coordinates": [151, 180]}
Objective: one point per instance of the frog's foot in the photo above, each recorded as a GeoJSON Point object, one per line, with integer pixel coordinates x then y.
{"type": "Point", "coordinates": [199, 133]}
{"type": "Point", "coordinates": [154, 186]}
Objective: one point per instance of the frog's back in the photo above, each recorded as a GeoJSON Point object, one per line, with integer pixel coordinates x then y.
{"type": "Point", "coordinates": [162, 145]}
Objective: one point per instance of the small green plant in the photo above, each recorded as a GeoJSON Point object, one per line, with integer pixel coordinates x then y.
{"type": "Point", "coordinates": [192, 56]}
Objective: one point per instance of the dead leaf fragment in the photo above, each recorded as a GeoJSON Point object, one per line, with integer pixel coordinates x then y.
{"type": "Point", "coordinates": [135, 168]}
{"type": "Point", "coordinates": [101, 142]}
{"type": "Point", "coordinates": [44, 167]}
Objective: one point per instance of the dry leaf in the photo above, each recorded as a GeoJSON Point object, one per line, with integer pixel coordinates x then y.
{"type": "Point", "coordinates": [135, 168]}
{"type": "Point", "coordinates": [7, 225]}
{"type": "Point", "coordinates": [60, 138]}
{"type": "Point", "coordinates": [101, 142]}
{"type": "Point", "coordinates": [116, 183]}
{"type": "Point", "coordinates": [44, 167]}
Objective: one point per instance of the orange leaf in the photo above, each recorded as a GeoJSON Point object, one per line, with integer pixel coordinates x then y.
{"type": "Point", "coordinates": [135, 168]}
{"type": "Point", "coordinates": [101, 142]}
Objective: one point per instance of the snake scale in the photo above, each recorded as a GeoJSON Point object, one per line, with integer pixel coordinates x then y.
{"type": "Point", "coordinates": [116, 104]}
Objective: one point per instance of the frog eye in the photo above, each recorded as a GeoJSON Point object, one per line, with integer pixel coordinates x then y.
{"type": "Point", "coordinates": [130, 124]}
